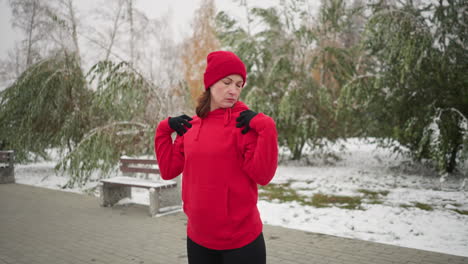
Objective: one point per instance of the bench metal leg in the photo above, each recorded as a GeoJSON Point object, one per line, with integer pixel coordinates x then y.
{"type": "Point", "coordinates": [7, 175]}
{"type": "Point", "coordinates": [102, 200]}
{"type": "Point", "coordinates": [154, 196]}
{"type": "Point", "coordinates": [170, 197]}
{"type": "Point", "coordinates": [111, 194]}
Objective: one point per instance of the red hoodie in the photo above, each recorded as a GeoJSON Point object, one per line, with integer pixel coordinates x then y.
{"type": "Point", "coordinates": [221, 169]}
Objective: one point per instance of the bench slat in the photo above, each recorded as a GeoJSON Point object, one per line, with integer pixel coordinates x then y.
{"type": "Point", "coordinates": [139, 161]}
{"type": "Point", "coordinates": [5, 157]}
{"type": "Point", "coordinates": [134, 182]}
{"type": "Point", "coordinates": [141, 170]}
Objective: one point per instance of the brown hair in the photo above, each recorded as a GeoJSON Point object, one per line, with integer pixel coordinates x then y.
{"type": "Point", "coordinates": [204, 104]}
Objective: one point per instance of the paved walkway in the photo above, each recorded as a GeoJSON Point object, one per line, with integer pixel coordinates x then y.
{"type": "Point", "coordinates": [40, 225]}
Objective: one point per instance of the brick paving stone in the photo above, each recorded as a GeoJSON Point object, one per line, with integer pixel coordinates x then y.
{"type": "Point", "coordinates": [39, 225]}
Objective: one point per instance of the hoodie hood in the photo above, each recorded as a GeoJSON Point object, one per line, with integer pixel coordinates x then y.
{"type": "Point", "coordinates": [226, 113]}
{"type": "Point", "coordinates": [223, 113]}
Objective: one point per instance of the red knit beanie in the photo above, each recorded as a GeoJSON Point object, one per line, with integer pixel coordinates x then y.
{"type": "Point", "coordinates": [220, 64]}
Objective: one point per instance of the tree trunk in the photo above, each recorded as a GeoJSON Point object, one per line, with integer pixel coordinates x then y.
{"type": "Point", "coordinates": [30, 31]}
{"type": "Point", "coordinates": [113, 33]}
{"type": "Point", "coordinates": [452, 163]}
{"type": "Point", "coordinates": [132, 32]}
{"type": "Point", "coordinates": [74, 33]}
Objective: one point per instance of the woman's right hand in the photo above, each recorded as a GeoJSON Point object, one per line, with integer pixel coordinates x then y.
{"type": "Point", "coordinates": [180, 124]}
{"type": "Point", "coordinates": [244, 120]}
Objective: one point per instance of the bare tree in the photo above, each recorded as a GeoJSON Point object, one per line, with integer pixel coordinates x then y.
{"type": "Point", "coordinates": [63, 13]}
{"type": "Point", "coordinates": [11, 67]}
{"type": "Point", "coordinates": [130, 28]}
{"type": "Point", "coordinates": [73, 24]}
{"type": "Point", "coordinates": [156, 57]}
{"type": "Point", "coordinates": [107, 28]}
{"type": "Point", "coordinates": [29, 16]}
{"type": "Point", "coordinates": [115, 26]}
{"type": "Point", "coordinates": [132, 31]}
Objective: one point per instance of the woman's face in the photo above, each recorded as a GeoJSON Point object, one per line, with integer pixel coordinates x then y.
{"type": "Point", "coordinates": [226, 92]}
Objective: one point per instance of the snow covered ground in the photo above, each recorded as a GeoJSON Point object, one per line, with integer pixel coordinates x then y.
{"type": "Point", "coordinates": [397, 204]}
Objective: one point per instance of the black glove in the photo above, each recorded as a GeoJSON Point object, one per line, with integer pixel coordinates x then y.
{"type": "Point", "coordinates": [244, 120]}
{"type": "Point", "coordinates": [179, 124]}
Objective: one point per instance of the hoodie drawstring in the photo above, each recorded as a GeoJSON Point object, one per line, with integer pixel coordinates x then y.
{"type": "Point", "coordinates": [227, 119]}
{"type": "Point", "coordinates": [227, 116]}
{"type": "Point", "coordinates": [198, 132]}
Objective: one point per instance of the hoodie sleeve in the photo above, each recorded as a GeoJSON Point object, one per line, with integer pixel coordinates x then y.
{"type": "Point", "coordinates": [170, 155]}
{"type": "Point", "coordinates": [261, 155]}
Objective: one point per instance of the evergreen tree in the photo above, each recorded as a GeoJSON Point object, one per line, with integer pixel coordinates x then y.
{"type": "Point", "coordinates": [90, 128]}
{"type": "Point", "coordinates": [414, 90]}
{"type": "Point", "coordinates": [295, 69]}
{"type": "Point", "coordinates": [44, 108]}
{"type": "Point", "coordinates": [90, 119]}
{"type": "Point", "coordinates": [336, 59]}
{"type": "Point", "coordinates": [277, 60]}
{"type": "Point", "coordinates": [119, 122]}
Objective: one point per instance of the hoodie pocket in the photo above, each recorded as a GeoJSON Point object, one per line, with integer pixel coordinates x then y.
{"type": "Point", "coordinates": [207, 210]}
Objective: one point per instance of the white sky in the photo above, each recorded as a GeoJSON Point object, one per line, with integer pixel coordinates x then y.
{"type": "Point", "coordinates": [182, 14]}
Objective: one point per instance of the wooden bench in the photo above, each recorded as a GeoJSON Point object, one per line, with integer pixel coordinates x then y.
{"type": "Point", "coordinates": [7, 166]}
{"type": "Point", "coordinates": [163, 195]}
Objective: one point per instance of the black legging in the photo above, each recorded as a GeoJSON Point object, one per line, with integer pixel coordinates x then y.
{"type": "Point", "coordinates": [253, 253]}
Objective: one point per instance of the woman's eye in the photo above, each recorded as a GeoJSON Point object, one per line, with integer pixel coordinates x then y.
{"type": "Point", "coordinates": [227, 82]}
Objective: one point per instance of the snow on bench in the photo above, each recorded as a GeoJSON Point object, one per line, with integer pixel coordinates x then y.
{"type": "Point", "coordinates": [163, 194]}
{"type": "Point", "coordinates": [140, 183]}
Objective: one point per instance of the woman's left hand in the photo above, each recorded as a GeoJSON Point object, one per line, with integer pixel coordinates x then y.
{"type": "Point", "coordinates": [244, 120]}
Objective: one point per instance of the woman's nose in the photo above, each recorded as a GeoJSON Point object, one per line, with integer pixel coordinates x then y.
{"type": "Point", "coordinates": [233, 90]}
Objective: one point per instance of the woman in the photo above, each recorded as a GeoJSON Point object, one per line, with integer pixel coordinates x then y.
{"type": "Point", "coordinates": [224, 152]}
